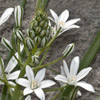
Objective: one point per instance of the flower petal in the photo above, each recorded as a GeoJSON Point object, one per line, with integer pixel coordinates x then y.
{"type": "Point", "coordinates": [11, 64]}
{"type": "Point", "coordinates": [28, 98]}
{"type": "Point", "coordinates": [39, 92]}
{"type": "Point", "coordinates": [23, 82]}
{"type": "Point", "coordinates": [5, 16]}
{"type": "Point", "coordinates": [83, 73]}
{"type": "Point", "coordinates": [29, 73]}
{"type": "Point", "coordinates": [66, 68]}
{"type": "Point", "coordinates": [61, 78]}
{"type": "Point", "coordinates": [13, 75]}
{"type": "Point", "coordinates": [74, 66]}
{"type": "Point", "coordinates": [64, 16]}
{"type": "Point", "coordinates": [79, 93]}
{"type": "Point", "coordinates": [46, 83]}
{"type": "Point", "coordinates": [54, 15]}
{"type": "Point", "coordinates": [62, 71]}
{"type": "Point", "coordinates": [68, 28]}
{"type": "Point", "coordinates": [40, 75]}
{"type": "Point", "coordinates": [27, 91]}
{"type": "Point", "coordinates": [71, 22]}
{"type": "Point", "coordinates": [86, 86]}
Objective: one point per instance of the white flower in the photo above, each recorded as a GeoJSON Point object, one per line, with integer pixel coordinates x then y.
{"type": "Point", "coordinates": [73, 77]}
{"type": "Point", "coordinates": [35, 83]}
{"type": "Point", "coordinates": [5, 16]}
{"type": "Point", "coordinates": [28, 98]}
{"type": "Point", "coordinates": [8, 70]}
{"type": "Point", "coordinates": [62, 22]}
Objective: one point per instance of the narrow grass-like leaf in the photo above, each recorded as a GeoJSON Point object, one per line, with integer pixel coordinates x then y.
{"type": "Point", "coordinates": [91, 52]}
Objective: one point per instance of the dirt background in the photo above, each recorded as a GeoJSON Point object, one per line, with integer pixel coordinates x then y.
{"type": "Point", "coordinates": [88, 11]}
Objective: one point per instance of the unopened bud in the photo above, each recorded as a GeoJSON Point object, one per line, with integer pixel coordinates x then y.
{"type": "Point", "coordinates": [68, 50]}
{"type": "Point", "coordinates": [29, 42]}
{"type": "Point", "coordinates": [43, 32]}
{"type": "Point", "coordinates": [18, 13]}
{"type": "Point", "coordinates": [7, 44]}
{"type": "Point", "coordinates": [37, 39]}
{"type": "Point", "coordinates": [35, 59]}
{"type": "Point", "coordinates": [20, 35]}
{"type": "Point", "coordinates": [43, 42]}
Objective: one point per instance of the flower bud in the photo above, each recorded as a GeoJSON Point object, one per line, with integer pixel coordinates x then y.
{"type": "Point", "coordinates": [38, 30]}
{"type": "Point", "coordinates": [37, 39]}
{"type": "Point", "coordinates": [29, 42]}
{"type": "Point", "coordinates": [19, 34]}
{"type": "Point", "coordinates": [7, 44]}
{"type": "Point", "coordinates": [43, 32]}
{"type": "Point", "coordinates": [68, 50]}
{"type": "Point", "coordinates": [43, 42]}
{"type": "Point", "coordinates": [35, 59]}
{"type": "Point", "coordinates": [30, 33]}
{"type": "Point", "coordinates": [18, 13]}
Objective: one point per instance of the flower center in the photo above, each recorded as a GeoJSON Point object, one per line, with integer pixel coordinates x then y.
{"type": "Point", "coordinates": [61, 24]}
{"type": "Point", "coordinates": [34, 84]}
{"type": "Point", "coordinates": [72, 79]}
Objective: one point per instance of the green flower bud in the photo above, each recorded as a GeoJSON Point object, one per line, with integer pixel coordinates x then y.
{"type": "Point", "coordinates": [68, 50]}
{"type": "Point", "coordinates": [43, 42]}
{"type": "Point", "coordinates": [20, 35]}
{"type": "Point", "coordinates": [35, 59]}
{"type": "Point", "coordinates": [7, 44]}
{"type": "Point", "coordinates": [38, 30]}
{"type": "Point", "coordinates": [37, 39]}
{"type": "Point", "coordinates": [30, 43]}
{"type": "Point", "coordinates": [43, 32]}
{"type": "Point", "coordinates": [18, 13]}
{"type": "Point", "coordinates": [42, 23]}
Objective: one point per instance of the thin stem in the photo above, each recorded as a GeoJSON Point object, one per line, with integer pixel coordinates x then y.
{"type": "Point", "coordinates": [53, 70]}
{"type": "Point", "coordinates": [2, 67]}
{"type": "Point", "coordinates": [2, 80]}
{"type": "Point", "coordinates": [39, 67]}
{"type": "Point", "coordinates": [50, 90]}
{"type": "Point", "coordinates": [44, 56]}
{"type": "Point", "coordinates": [57, 95]}
{"type": "Point", "coordinates": [19, 51]}
{"type": "Point", "coordinates": [23, 3]}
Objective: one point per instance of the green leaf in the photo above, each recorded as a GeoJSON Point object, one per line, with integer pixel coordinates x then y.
{"type": "Point", "coordinates": [67, 92]}
{"type": "Point", "coordinates": [23, 3]}
{"type": "Point", "coordinates": [91, 52]}
{"type": "Point", "coordinates": [4, 92]}
{"type": "Point", "coordinates": [98, 98]}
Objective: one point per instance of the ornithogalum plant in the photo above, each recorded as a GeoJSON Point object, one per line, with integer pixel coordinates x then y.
{"type": "Point", "coordinates": [23, 74]}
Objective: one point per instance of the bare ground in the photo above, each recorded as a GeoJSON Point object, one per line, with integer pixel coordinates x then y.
{"type": "Point", "coordinates": [88, 11]}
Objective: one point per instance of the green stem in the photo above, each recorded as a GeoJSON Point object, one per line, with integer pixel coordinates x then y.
{"type": "Point", "coordinates": [50, 90]}
{"type": "Point", "coordinates": [53, 70]}
{"type": "Point", "coordinates": [23, 3]}
{"type": "Point", "coordinates": [4, 92]}
{"type": "Point", "coordinates": [44, 56]}
{"type": "Point", "coordinates": [42, 66]}
{"type": "Point", "coordinates": [2, 67]}
{"type": "Point", "coordinates": [56, 95]}
{"type": "Point", "coordinates": [91, 53]}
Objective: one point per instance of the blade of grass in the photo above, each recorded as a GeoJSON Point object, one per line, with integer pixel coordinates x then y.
{"type": "Point", "coordinates": [91, 52]}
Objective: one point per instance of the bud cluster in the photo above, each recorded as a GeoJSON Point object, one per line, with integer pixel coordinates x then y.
{"type": "Point", "coordinates": [40, 29]}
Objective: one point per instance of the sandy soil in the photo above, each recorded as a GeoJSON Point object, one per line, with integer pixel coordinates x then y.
{"type": "Point", "coordinates": [88, 11]}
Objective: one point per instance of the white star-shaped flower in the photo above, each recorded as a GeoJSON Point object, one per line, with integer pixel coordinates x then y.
{"type": "Point", "coordinates": [5, 16]}
{"type": "Point", "coordinates": [8, 70]}
{"type": "Point", "coordinates": [73, 77]}
{"type": "Point", "coordinates": [61, 21]}
{"type": "Point", "coordinates": [35, 83]}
